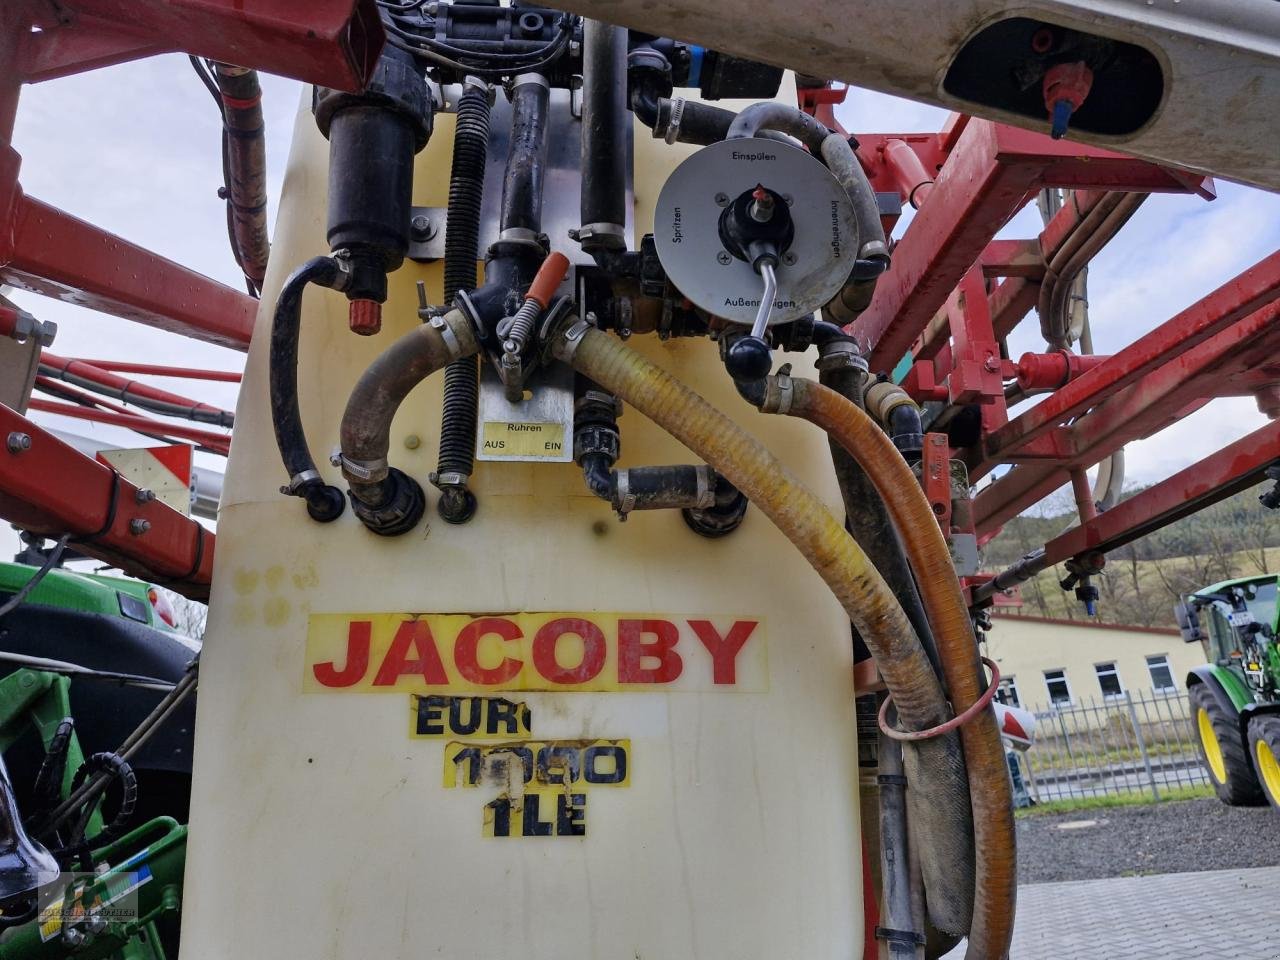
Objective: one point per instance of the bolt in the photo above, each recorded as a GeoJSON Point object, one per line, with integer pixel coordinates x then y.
{"type": "Point", "coordinates": [412, 442]}
{"type": "Point", "coordinates": [18, 442]}
{"type": "Point", "coordinates": [138, 526]}
{"type": "Point", "coordinates": [992, 364]}
{"type": "Point", "coordinates": [143, 496]}
{"type": "Point", "coordinates": [421, 227]}
{"type": "Point", "coordinates": [724, 258]}
{"type": "Point", "coordinates": [722, 199]}
{"type": "Point", "coordinates": [789, 258]}
{"type": "Point", "coordinates": [335, 458]}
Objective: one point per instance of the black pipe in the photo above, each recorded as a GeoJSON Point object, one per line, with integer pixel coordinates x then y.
{"type": "Point", "coordinates": [459, 411]}
{"type": "Point", "coordinates": [604, 137]}
{"type": "Point", "coordinates": [527, 159]}
{"type": "Point", "coordinates": [324, 502]}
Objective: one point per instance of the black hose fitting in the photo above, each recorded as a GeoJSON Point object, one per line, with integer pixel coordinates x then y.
{"type": "Point", "coordinates": [324, 502]}
{"type": "Point", "coordinates": [400, 505]}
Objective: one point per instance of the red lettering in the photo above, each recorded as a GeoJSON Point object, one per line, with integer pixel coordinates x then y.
{"type": "Point", "coordinates": [466, 647]}
{"type": "Point", "coordinates": [724, 650]}
{"type": "Point", "coordinates": [412, 637]}
{"type": "Point", "coordinates": [633, 649]}
{"type": "Point", "coordinates": [358, 633]}
{"type": "Point", "coordinates": [547, 639]}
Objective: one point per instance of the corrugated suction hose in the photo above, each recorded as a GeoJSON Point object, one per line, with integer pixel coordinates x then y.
{"type": "Point", "coordinates": [996, 868]}
{"type": "Point", "coordinates": [939, 774]}
{"type": "Point", "coordinates": [456, 459]}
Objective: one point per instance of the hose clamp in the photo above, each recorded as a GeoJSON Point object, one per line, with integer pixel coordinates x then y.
{"type": "Point", "coordinates": [624, 499]}
{"type": "Point", "coordinates": [368, 471]}
{"type": "Point", "coordinates": [449, 479]}
{"type": "Point", "coordinates": [518, 235]}
{"type": "Point", "coordinates": [673, 122]}
{"type": "Point", "coordinates": [530, 79]}
{"type": "Point", "coordinates": [706, 489]}
{"type": "Point", "coordinates": [570, 340]}
{"type": "Point", "coordinates": [441, 326]}
{"type": "Point", "coordinates": [475, 83]}
{"type": "Point", "coordinates": [778, 394]}
{"type": "Point", "coordinates": [298, 481]}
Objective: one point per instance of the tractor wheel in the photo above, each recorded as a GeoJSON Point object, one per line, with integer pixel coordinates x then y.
{"type": "Point", "coordinates": [1222, 749]}
{"type": "Point", "coordinates": [1264, 745]}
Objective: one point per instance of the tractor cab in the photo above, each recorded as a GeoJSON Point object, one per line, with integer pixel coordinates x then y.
{"type": "Point", "coordinates": [1235, 612]}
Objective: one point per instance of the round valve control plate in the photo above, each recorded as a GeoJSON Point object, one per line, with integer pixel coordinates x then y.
{"type": "Point", "coordinates": [686, 230]}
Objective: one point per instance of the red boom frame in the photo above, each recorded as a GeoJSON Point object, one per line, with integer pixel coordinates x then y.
{"type": "Point", "coordinates": [941, 315]}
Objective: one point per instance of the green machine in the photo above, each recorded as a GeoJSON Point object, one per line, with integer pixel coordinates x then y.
{"type": "Point", "coordinates": [94, 767]}
{"type": "Point", "coordinates": [1235, 697]}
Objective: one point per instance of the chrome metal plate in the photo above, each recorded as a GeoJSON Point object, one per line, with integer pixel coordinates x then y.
{"type": "Point", "coordinates": [537, 430]}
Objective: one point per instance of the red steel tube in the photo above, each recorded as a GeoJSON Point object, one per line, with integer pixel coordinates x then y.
{"type": "Point", "coordinates": [912, 179]}
{"type": "Point", "coordinates": [123, 388]}
{"type": "Point", "coordinates": [51, 488]}
{"type": "Point", "coordinates": [218, 442]}
{"type": "Point", "coordinates": [156, 370]}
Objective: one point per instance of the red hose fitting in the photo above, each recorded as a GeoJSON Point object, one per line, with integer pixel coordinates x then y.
{"type": "Point", "coordinates": [1048, 371]}
{"type": "Point", "coordinates": [1065, 88]}
{"type": "Point", "coordinates": [365, 317]}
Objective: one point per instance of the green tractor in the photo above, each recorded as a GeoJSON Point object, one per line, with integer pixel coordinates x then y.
{"type": "Point", "coordinates": [1235, 697]}
{"type": "Point", "coordinates": [97, 709]}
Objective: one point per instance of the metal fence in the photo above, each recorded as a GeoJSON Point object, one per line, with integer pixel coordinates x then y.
{"type": "Point", "coordinates": [1131, 743]}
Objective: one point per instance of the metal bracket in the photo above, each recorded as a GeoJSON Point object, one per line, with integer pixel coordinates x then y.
{"type": "Point", "coordinates": [427, 227]}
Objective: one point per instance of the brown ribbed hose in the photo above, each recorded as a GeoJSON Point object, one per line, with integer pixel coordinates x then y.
{"type": "Point", "coordinates": [989, 789]}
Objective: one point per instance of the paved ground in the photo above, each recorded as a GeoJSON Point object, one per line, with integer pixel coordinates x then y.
{"type": "Point", "coordinates": [1171, 837]}
{"type": "Point", "coordinates": [1177, 916]}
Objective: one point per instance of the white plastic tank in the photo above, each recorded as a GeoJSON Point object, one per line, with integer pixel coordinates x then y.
{"type": "Point", "coordinates": [368, 706]}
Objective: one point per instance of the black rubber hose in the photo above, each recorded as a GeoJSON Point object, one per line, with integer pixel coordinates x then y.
{"type": "Point", "coordinates": [462, 377]}
{"type": "Point", "coordinates": [324, 502]}
{"type": "Point", "coordinates": [527, 159]}
{"type": "Point", "coordinates": [604, 136]}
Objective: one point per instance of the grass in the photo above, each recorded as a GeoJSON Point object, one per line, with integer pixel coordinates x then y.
{"type": "Point", "coordinates": [1085, 804]}
{"type": "Point", "coordinates": [1053, 756]}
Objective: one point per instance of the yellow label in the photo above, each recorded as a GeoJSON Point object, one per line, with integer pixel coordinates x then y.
{"type": "Point", "coordinates": [440, 653]}
{"type": "Point", "coordinates": [525, 765]}
{"type": "Point", "coordinates": [499, 439]}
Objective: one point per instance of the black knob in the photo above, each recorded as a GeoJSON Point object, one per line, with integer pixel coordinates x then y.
{"type": "Point", "coordinates": [749, 359]}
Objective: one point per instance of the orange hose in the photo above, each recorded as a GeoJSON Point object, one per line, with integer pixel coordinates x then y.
{"type": "Point", "coordinates": [926, 548]}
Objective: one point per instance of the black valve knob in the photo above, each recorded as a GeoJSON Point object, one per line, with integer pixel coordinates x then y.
{"type": "Point", "coordinates": [749, 358]}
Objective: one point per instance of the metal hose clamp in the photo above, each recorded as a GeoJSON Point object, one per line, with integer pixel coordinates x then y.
{"type": "Point", "coordinates": [366, 470]}
{"type": "Point", "coordinates": [673, 122]}
{"type": "Point", "coordinates": [706, 488]}
{"type": "Point", "coordinates": [568, 342]}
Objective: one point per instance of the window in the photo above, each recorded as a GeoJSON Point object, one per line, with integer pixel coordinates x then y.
{"type": "Point", "coordinates": [1007, 692]}
{"type": "Point", "coordinates": [1059, 689]}
{"type": "Point", "coordinates": [1109, 680]}
{"type": "Point", "coordinates": [1161, 675]}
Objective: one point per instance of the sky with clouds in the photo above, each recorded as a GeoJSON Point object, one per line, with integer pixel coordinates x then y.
{"type": "Point", "coordinates": [134, 149]}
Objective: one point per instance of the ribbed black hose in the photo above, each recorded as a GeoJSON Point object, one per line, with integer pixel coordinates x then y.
{"type": "Point", "coordinates": [466, 192]}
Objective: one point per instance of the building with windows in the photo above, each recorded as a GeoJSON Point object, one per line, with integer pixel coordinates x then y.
{"type": "Point", "coordinates": [1045, 662]}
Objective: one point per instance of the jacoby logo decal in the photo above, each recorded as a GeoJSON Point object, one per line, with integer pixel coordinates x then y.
{"type": "Point", "coordinates": [458, 653]}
